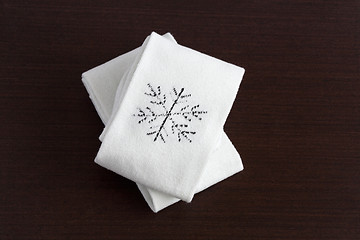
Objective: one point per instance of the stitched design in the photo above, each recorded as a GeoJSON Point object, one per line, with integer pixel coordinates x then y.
{"type": "Point", "coordinates": [169, 116]}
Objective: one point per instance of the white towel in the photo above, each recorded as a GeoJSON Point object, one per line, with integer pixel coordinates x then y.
{"type": "Point", "coordinates": [101, 83]}
{"type": "Point", "coordinates": [170, 118]}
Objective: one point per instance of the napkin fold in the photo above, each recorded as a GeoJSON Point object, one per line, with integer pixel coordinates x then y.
{"type": "Point", "coordinates": [170, 117]}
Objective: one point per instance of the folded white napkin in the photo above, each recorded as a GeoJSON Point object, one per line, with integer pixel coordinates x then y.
{"type": "Point", "coordinates": [177, 100]}
{"type": "Point", "coordinates": [101, 83]}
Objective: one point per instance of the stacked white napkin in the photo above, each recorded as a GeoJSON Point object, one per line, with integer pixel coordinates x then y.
{"type": "Point", "coordinates": [164, 124]}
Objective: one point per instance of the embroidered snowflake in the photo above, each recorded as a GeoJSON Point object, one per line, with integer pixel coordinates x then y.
{"type": "Point", "coordinates": [169, 116]}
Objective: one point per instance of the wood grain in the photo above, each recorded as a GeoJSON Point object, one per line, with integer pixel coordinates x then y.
{"type": "Point", "coordinates": [295, 122]}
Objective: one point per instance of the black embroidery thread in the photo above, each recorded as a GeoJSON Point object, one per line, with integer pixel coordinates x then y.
{"type": "Point", "coordinates": [171, 116]}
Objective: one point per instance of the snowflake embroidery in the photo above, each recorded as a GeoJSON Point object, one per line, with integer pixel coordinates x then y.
{"type": "Point", "coordinates": [169, 116]}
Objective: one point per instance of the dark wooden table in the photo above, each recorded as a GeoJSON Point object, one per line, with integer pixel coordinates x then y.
{"type": "Point", "coordinates": [295, 122]}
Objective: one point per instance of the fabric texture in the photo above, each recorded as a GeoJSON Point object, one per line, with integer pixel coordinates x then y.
{"type": "Point", "coordinates": [175, 105]}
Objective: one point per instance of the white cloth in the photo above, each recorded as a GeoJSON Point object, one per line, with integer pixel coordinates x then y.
{"type": "Point", "coordinates": [101, 83]}
{"type": "Point", "coordinates": [170, 118]}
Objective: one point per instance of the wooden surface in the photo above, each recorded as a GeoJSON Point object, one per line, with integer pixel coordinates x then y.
{"type": "Point", "coordinates": [295, 122]}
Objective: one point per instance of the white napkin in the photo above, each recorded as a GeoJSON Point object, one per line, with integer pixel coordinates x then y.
{"type": "Point", "coordinates": [101, 83]}
{"type": "Point", "coordinates": [173, 151]}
